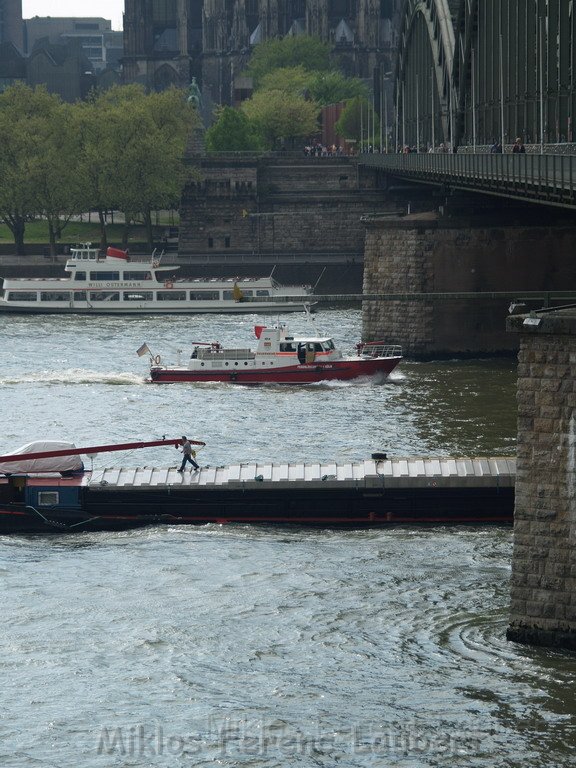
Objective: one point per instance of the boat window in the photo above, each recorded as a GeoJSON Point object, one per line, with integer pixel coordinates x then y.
{"type": "Point", "coordinates": [133, 275]}
{"type": "Point", "coordinates": [48, 498]}
{"type": "Point", "coordinates": [55, 296]}
{"type": "Point", "coordinates": [328, 345]}
{"type": "Point", "coordinates": [105, 275]}
{"type": "Point", "coordinates": [104, 296]}
{"type": "Point", "coordinates": [80, 276]}
{"type": "Point", "coordinates": [171, 295]}
{"type": "Point", "coordinates": [262, 293]}
{"type": "Point", "coordinates": [138, 296]}
{"type": "Point", "coordinates": [317, 347]}
{"type": "Point", "coordinates": [287, 347]}
{"type": "Point", "coordinates": [22, 296]}
{"type": "Point", "coordinates": [79, 296]}
{"type": "Point", "coordinates": [228, 295]}
{"type": "Point", "coordinates": [204, 295]}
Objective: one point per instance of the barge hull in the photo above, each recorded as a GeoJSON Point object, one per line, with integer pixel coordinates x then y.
{"type": "Point", "coordinates": [366, 494]}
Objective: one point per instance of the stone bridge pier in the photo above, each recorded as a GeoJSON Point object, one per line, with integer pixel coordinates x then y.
{"type": "Point", "coordinates": [543, 588]}
{"type": "Point", "coordinates": [491, 249]}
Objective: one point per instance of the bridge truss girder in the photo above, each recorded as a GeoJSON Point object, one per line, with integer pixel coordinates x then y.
{"type": "Point", "coordinates": [425, 98]}
{"type": "Point", "coordinates": [497, 69]}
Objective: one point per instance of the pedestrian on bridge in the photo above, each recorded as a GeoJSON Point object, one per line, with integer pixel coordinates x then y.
{"type": "Point", "coordinates": [519, 148]}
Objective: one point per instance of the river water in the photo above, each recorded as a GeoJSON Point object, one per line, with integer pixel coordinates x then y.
{"type": "Point", "coordinates": [242, 646]}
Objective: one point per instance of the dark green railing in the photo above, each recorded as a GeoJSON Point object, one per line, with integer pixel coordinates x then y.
{"type": "Point", "coordinates": [540, 178]}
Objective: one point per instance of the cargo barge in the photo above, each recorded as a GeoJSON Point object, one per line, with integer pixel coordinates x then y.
{"type": "Point", "coordinates": [377, 492]}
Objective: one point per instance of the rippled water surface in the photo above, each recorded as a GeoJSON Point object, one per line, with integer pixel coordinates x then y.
{"type": "Point", "coordinates": [237, 645]}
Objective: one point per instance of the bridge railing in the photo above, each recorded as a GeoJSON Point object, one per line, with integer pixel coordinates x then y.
{"type": "Point", "coordinates": [540, 177]}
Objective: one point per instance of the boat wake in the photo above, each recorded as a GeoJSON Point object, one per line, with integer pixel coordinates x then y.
{"type": "Point", "coordinates": [72, 376]}
{"type": "Point", "coordinates": [361, 381]}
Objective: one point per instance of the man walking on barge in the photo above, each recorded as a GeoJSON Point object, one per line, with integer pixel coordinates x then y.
{"type": "Point", "coordinates": [188, 454]}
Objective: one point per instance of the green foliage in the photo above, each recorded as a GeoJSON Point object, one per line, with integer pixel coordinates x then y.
{"type": "Point", "coordinates": [309, 52]}
{"type": "Point", "coordinates": [36, 157]}
{"type": "Point", "coordinates": [55, 173]}
{"type": "Point", "coordinates": [332, 87]}
{"type": "Point", "coordinates": [122, 149]}
{"type": "Point", "coordinates": [358, 114]}
{"type": "Point", "coordinates": [279, 115]}
{"type": "Point", "coordinates": [292, 80]}
{"type": "Point", "coordinates": [147, 137]}
{"type": "Point", "coordinates": [232, 132]}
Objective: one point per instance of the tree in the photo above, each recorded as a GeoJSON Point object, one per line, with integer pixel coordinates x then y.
{"type": "Point", "coordinates": [293, 80]}
{"type": "Point", "coordinates": [100, 151]}
{"type": "Point", "coordinates": [309, 52]}
{"type": "Point", "coordinates": [280, 115]}
{"type": "Point", "coordinates": [358, 114]}
{"type": "Point", "coordinates": [232, 132]}
{"type": "Point", "coordinates": [332, 87]}
{"type": "Point", "coordinates": [148, 141]}
{"type": "Point", "coordinates": [58, 186]}
{"type": "Point", "coordinates": [29, 121]}
{"type": "Point", "coordinates": [322, 87]}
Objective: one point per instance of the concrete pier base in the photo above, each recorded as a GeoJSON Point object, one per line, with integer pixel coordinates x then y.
{"type": "Point", "coordinates": [543, 586]}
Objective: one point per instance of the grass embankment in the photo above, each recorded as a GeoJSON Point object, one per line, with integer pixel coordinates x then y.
{"type": "Point", "coordinates": [83, 232]}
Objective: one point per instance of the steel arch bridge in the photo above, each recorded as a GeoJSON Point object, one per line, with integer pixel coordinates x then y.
{"type": "Point", "coordinates": [472, 72]}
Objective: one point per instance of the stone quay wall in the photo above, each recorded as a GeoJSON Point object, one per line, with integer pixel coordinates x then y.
{"type": "Point", "coordinates": [543, 586]}
{"type": "Point", "coordinates": [425, 253]}
{"type": "Point", "coordinates": [266, 205]}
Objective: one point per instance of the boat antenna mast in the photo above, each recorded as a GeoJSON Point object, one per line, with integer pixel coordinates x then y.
{"type": "Point", "coordinates": [310, 318]}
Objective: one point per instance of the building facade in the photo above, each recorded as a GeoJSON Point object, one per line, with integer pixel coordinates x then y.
{"type": "Point", "coordinates": [11, 26]}
{"type": "Point", "coordinates": [94, 35]}
{"type": "Point", "coordinates": [170, 41]}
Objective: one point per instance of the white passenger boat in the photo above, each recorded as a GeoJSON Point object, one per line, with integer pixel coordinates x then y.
{"type": "Point", "coordinates": [113, 284]}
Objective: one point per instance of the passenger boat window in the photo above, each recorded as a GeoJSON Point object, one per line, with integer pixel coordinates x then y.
{"type": "Point", "coordinates": [79, 296]}
{"type": "Point", "coordinates": [55, 296]}
{"type": "Point", "coordinates": [133, 275]}
{"type": "Point", "coordinates": [22, 296]}
{"type": "Point", "coordinates": [204, 295]}
{"type": "Point", "coordinates": [80, 276]}
{"type": "Point", "coordinates": [228, 295]}
{"type": "Point", "coordinates": [104, 296]}
{"type": "Point", "coordinates": [262, 293]}
{"type": "Point", "coordinates": [171, 295]}
{"type": "Point", "coordinates": [317, 347]}
{"type": "Point", "coordinates": [287, 347]}
{"type": "Point", "coordinates": [328, 345]}
{"type": "Point", "coordinates": [105, 275]}
{"type": "Point", "coordinates": [138, 296]}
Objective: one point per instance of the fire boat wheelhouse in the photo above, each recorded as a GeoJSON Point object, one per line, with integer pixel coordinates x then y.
{"type": "Point", "coordinates": [113, 284]}
{"type": "Point", "coordinates": [279, 358]}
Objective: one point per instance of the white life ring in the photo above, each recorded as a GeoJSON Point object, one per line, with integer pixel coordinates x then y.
{"type": "Point", "coordinates": [157, 360]}
{"type": "Point", "coordinates": [168, 284]}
